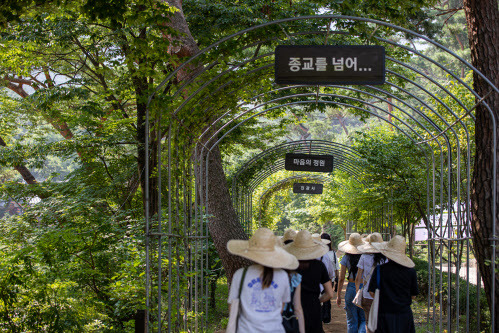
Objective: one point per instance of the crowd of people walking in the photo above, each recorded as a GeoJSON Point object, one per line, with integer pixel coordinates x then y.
{"type": "Point", "coordinates": [293, 278]}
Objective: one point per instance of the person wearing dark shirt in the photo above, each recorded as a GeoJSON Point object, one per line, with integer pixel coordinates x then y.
{"type": "Point", "coordinates": [398, 286]}
{"type": "Point", "coordinates": [314, 273]}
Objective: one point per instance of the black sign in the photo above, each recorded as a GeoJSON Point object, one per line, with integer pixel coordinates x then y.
{"type": "Point", "coordinates": [307, 188]}
{"type": "Point", "coordinates": [304, 162]}
{"type": "Point", "coordinates": [330, 64]}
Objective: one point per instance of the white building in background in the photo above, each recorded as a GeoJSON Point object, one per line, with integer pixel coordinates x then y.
{"type": "Point", "coordinates": [440, 224]}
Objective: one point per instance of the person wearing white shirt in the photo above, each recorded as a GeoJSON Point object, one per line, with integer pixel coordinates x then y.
{"type": "Point", "coordinates": [332, 265]}
{"type": "Point", "coordinates": [262, 289]}
{"type": "Point", "coordinates": [370, 258]}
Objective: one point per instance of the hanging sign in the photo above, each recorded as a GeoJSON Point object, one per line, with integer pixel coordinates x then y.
{"type": "Point", "coordinates": [306, 162]}
{"type": "Point", "coordinates": [330, 64]}
{"type": "Point", "coordinates": [307, 188]}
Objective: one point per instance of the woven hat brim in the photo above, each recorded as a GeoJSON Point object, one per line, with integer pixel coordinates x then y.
{"type": "Point", "coordinates": [277, 258]}
{"type": "Point", "coordinates": [282, 238]}
{"type": "Point", "coordinates": [368, 248]}
{"type": "Point", "coordinates": [307, 253]}
{"type": "Point", "coordinates": [398, 257]}
{"type": "Point", "coordinates": [346, 247]}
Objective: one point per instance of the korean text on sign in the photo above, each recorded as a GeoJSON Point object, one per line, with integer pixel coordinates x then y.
{"type": "Point", "coordinates": [319, 64]}
{"type": "Point", "coordinates": [309, 162]}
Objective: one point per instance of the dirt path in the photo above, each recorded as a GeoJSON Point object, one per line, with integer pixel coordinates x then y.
{"type": "Point", "coordinates": [338, 322]}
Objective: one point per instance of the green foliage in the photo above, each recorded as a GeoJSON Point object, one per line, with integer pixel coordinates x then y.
{"type": "Point", "coordinates": [47, 271]}
{"type": "Point", "coordinates": [442, 294]}
{"type": "Point", "coordinates": [77, 75]}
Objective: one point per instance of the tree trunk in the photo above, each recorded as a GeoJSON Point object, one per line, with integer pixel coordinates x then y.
{"type": "Point", "coordinates": [224, 224]}
{"type": "Point", "coordinates": [341, 119]}
{"type": "Point", "coordinates": [141, 96]}
{"type": "Point", "coordinates": [23, 171]}
{"type": "Point", "coordinates": [482, 17]}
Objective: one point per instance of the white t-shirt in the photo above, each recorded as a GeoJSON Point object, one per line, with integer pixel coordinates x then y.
{"type": "Point", "coordinates": [366, 263]}
{"type": "Point", "coordinates": [331, 262]}
{"type": "Point", "coordinates": [260, 309]}
{"type": "Point", "coordinates": [331, 265]}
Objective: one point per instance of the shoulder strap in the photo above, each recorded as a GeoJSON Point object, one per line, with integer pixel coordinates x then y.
{"type": "Point", "coordinates": [241, 285]}
{"type": "Point", "coordinates": [368, 278]}
{"type": "Point", "coordinates": [242, 282]}
{"type": "Point", "coordinates": [293, 290]}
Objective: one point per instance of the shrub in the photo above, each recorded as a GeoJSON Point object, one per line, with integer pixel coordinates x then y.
{"type": "Point", "coordinates": [423, 284]}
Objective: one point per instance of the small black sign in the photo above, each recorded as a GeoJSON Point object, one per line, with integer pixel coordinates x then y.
{"type": "Point", "coordinates": [307, 188]}
{"type": "Point", "coordinates": [305, 162]}
{"type": "Point", "coordinates": [330, 64]}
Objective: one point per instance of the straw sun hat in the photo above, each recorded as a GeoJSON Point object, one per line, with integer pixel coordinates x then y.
{"type": "Point", "coordinates": [372, 238]}
{"type": "Point", "coordinates": [261, 248]}
{"type": "Point", "coordinates": [318, 238]}
{"type": "Point", "coordinates": [304, 247]}
{"type": "Point", "coordinates": [395, 250]}
{"type": "Point", "coordinates": [350, 245]}
{"type": "Point", "coordinates": [289, 234]}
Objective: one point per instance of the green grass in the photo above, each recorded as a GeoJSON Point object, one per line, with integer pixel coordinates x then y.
{"type": "Point", "coordinates": [218, 316]}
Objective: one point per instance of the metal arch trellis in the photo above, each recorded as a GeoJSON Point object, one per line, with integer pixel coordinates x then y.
{"type": "Point", "coordinates": [396, 126]}
{"type": "Point", "coordinates": [286, 182]}
{"type": "Point", "coordinates": [385, 119]}
{"type": "Point", "coordinates": [243, 187]}
{"type": "Point", "coordinates": [300, 177]}
{"type": "Point", "coordinates": [186, 213]}
{"type": "Point", "coordinates": [317, 146]}
{"type": "Point", "coordinates": [384, 227]}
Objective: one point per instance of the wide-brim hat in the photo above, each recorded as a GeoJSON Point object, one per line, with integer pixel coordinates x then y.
{"type": "Point", "coordinates": [372, 238]}
{"type": "Point", "coordinates": [263, 249]}
{"type": "Point", "coordinates": [395, 250]}
{"type": "Point", "coordinates": [304, 247]}
{"type": "Point", "coordinates": [351, 245]}
{"type": "Point", "coordinates": [318, 238]}
{"type": "Point", "coordinates": [289, 234]}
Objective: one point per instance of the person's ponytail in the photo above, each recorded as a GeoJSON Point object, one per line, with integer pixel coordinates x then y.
{"type": "Point", "coordinates": [267, 276]}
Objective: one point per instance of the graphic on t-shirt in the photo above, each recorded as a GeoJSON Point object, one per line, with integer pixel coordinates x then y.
{"type": "Point", "coordinates": [262, 300]}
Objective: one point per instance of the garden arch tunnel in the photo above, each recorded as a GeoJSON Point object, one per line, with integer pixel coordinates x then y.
{"type": "Point", "coordinates": [376, 222]}
{"type": "Point", "coordinates": [263, 165]}
{"type": "Point", "coordinates": [184, 194]}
